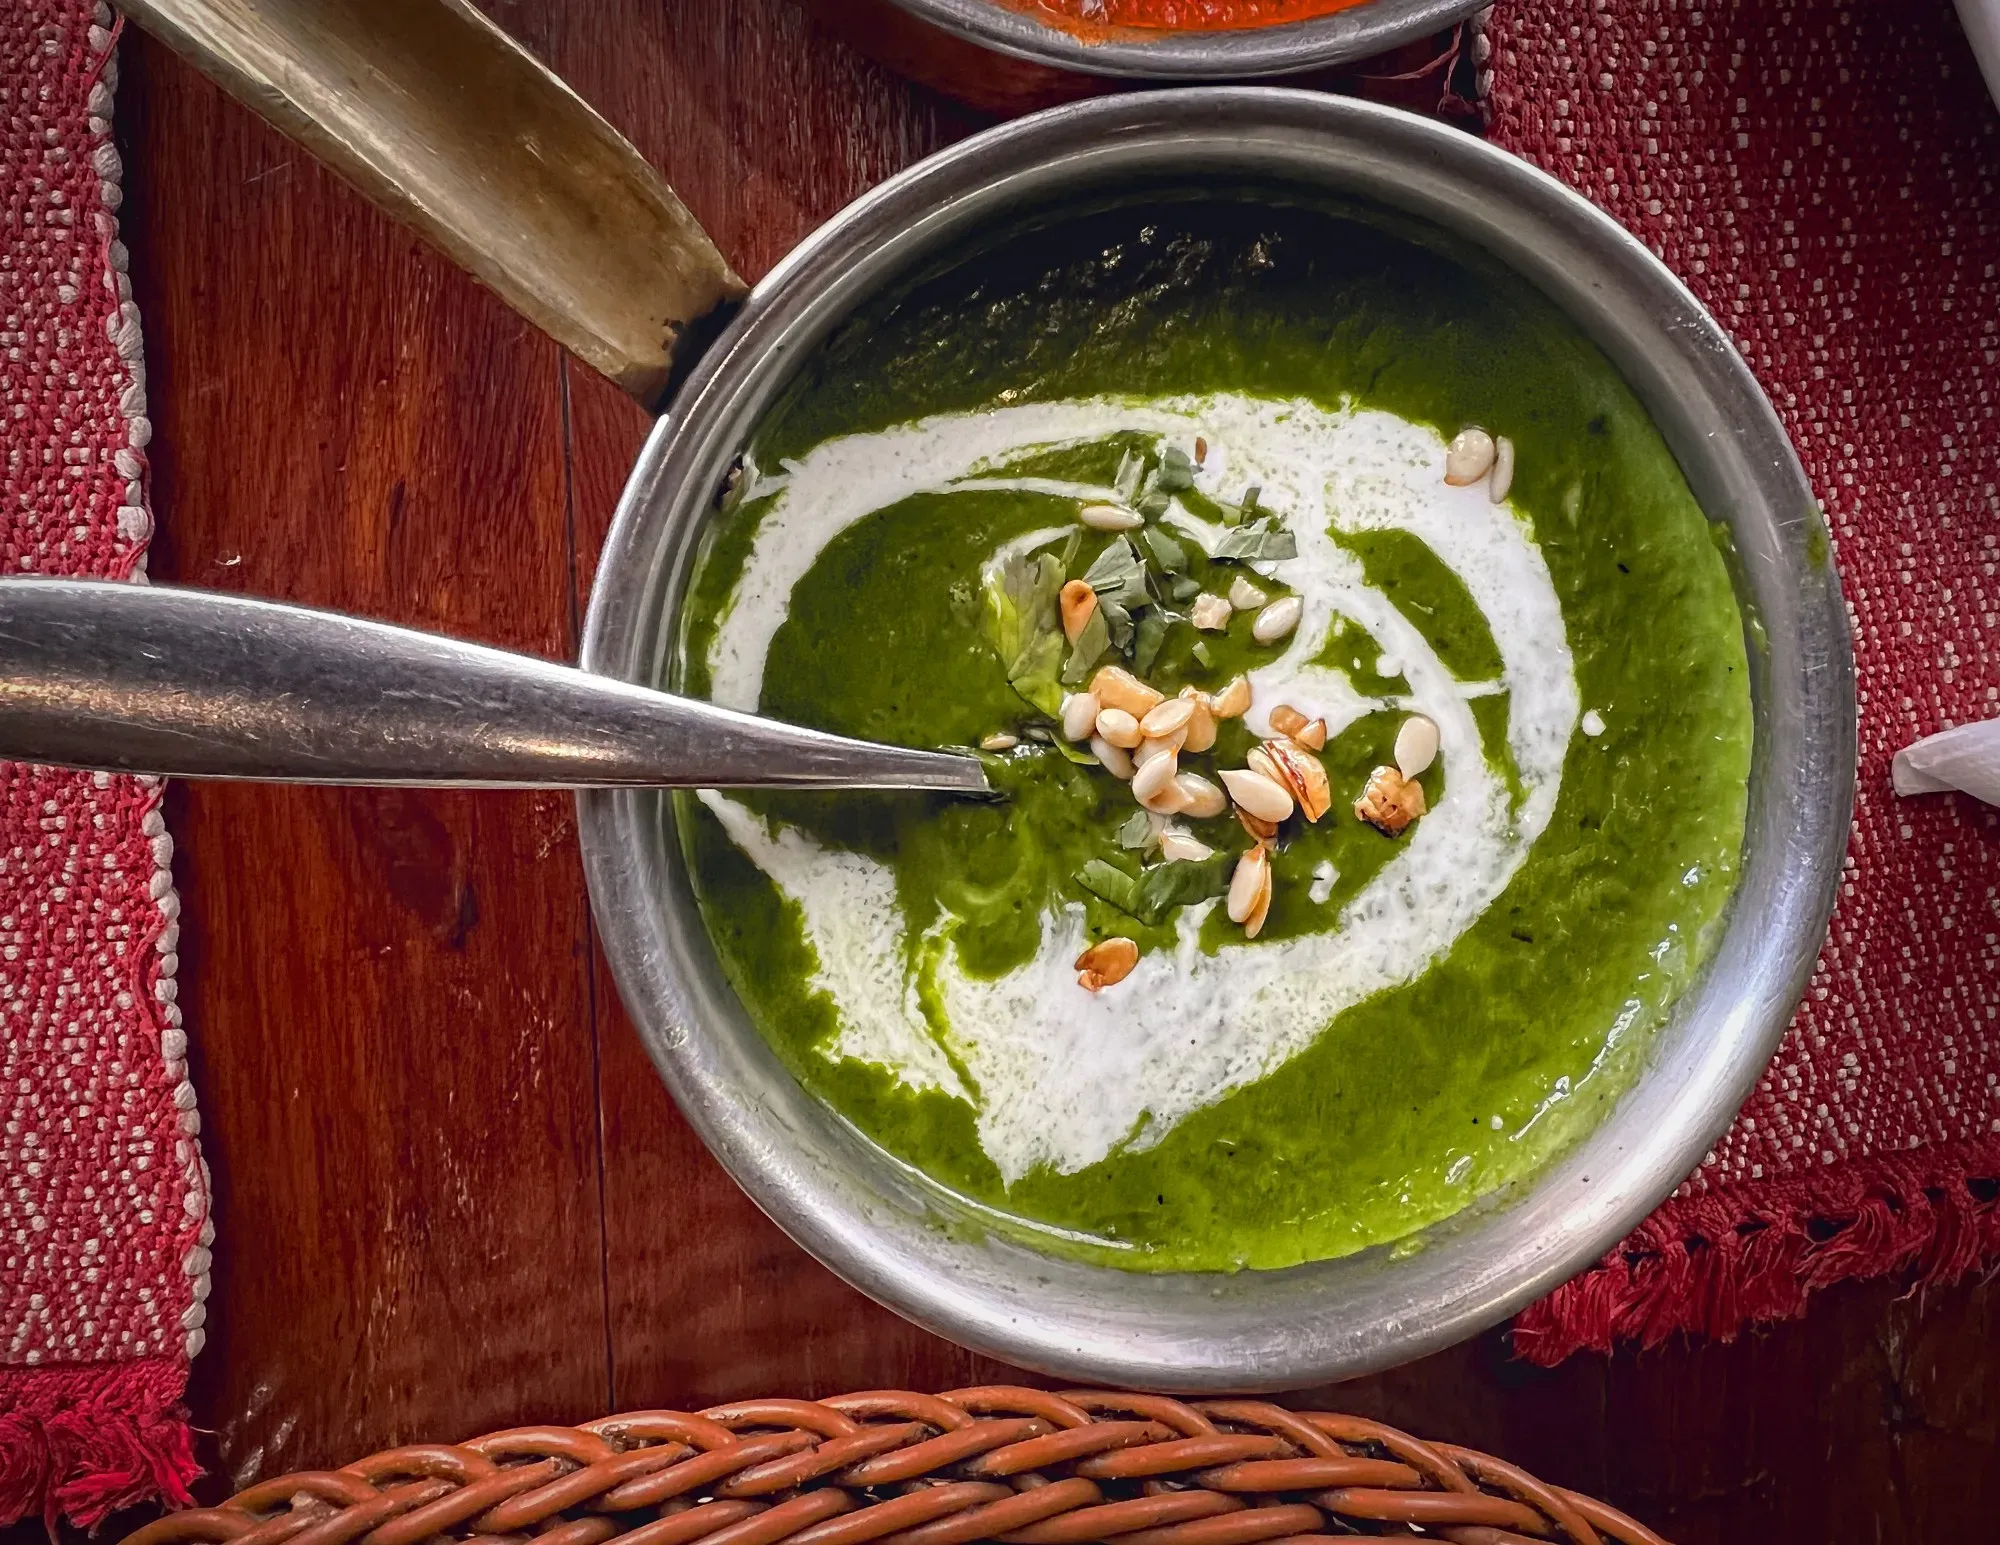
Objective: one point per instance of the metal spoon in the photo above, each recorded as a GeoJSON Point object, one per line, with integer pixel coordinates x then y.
{"type": "Point", "coordinates": [197, 684]}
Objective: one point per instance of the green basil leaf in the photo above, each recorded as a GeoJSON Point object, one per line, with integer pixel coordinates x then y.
{"type": "Point", "coordinates": [1118, 575]}
{"type": "Point", "coordinates": [1091, 645]}
{"type": "Point", "coordinates": [1136, 835]}
{"type": "Point", "coordinates": [1130, 469]}
{"type": "Point", "coordinates": [1180, 883]}
{"type": "Point", "coordinates": [1166, 552]}
{"type": "Point", "coordinates": [1158, 890]}
{"type": "Point", "coordinates": [1146, 640]}
{"type": "Point", "coordinates": [1261, 541]}
{"type": "Point", "coordinates": [1110, 883]}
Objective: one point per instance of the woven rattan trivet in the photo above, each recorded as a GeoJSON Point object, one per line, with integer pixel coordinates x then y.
{"type": "Point", "coordinates": [1019, 1465]}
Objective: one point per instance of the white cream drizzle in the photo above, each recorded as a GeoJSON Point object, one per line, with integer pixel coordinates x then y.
{"type": "Point", "coordinates": [1066, 1077]}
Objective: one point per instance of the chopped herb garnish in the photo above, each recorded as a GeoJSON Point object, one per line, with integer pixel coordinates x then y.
{"type": "Point", "coordinates": [1183, 588]}
{"type": "Point", "coordinates": [1176, 471]}
{"type": "Point", "coordinates": [1158, 890]}
{"type": "Point", "coordinates": [1260, 541]}
{"type": "Point", "coordinates": [1147, 638]}
{"type": "Point", "coordinates": [1203, 655]}
{"type": "Point", "coordinates": [1119, 578]}
{"type": "Point", "coordinates": [1137, 834]}
{"type": "Point", "coordinates": [1130, 469]}
{"type": "Point", "coordinates": [1110, 883]}
{"type": "Point", "coordinates": [1165, 551]}
{"type": "Point", "coordinates": [1091, 645]}
{"type": "Point", "coordinates": [1118, 575]}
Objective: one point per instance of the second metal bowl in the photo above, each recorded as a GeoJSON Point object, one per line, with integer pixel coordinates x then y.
{"type": "Point", "coordinates": [1283, 48]}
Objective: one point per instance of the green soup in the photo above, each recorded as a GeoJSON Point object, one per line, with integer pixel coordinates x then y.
{"type": "Point", "coordinates": [1199, 401]}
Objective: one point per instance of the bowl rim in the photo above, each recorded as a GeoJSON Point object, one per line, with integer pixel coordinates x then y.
{"type": "Point", "coordinates": [902, 1239]}
{"type": "Point", "coordinates": [1283, 48]}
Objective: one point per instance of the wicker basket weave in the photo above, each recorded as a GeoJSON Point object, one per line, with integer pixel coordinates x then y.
{"type": "Point", "coordinates": [894, 1468]}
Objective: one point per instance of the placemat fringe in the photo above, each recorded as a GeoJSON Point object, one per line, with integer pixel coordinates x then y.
{"type": "Point", "coordinates": [83, 1443]}
{"type": "Point", "coordinates": [1713, 1263]}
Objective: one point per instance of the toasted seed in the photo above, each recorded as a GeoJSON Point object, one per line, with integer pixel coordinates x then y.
{"type": "Point", "coordinates": [1201, 721]}
{"type": "Point", "coordinates": [1159, 745]}
{"type": "Point", "coordinates": [1119, 727]}
{"type": "Point", "coordinates": [1117, 761]}
{"type": "Point", "coordinates": [1233, 701]}
{"type": "Point", "coordinates": [1313, 735]}
{"type": "Point", "coordinates": [1260, 830]}
{"type": "Point", "coordinates": [1503, 470]}
{"type": "Point", "coordinates": [1180, 846]}
{"type": "Point", "coordinates": [1264, 797]}
{"type": "Point", "coordinates": [1390, 802]}
{"type": "Point", "coordinates": [1210, 613]}
{"type": "Point", "coordinates": [1287, 720]}
{"type": "Point", "coordinates": [1301, 773]}
{"type": "Point", "coordinates": [1156, 775]}
{"type": "Point", "coordinates": [1171, 715]}
{"type": "Point", "coordinates": [1468, 458]}
{"type": "Point", "coordinates": [1116, 687]}
{"type": "Point", "coordinates": [1106, 963]}
{"type": "Point", "coordinates": [1277, 619]}
{"type": "Point", "coordinates": [998, 743]}
{"type": "Point", "coordinates": [1079, 715]}
{"type": "Point", "coordinates": [1200, 450]}
{"type": "Point", "coordinates": [1254, 923]}
{"type": "Point", "coordinates": [1416, 745]}
{"type": "Point", "coordinates": [1258, 760]}
{"type": "Point", "coordinates": [1202, 799]}
{"type": "Point", "coordinates": [1110, 517]}
{"type": "Point", "coordinates": [1078, 601]}
{"type": "Point", "coordinates": [1250, 889]}
{"type": "Point", "coordinates": [1244, 596]}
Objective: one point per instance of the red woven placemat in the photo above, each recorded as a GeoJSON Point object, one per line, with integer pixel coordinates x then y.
{"type": "Point", "coordinates": [103, 1198]}
{"type": "Point", "coordinates": [1823, 175]}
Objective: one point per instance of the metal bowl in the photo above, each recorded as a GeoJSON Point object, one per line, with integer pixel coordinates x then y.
{"type": "Point", "coordinates": [1286, 48]}
{"type": "Point", "coordinates": [915, 1247]}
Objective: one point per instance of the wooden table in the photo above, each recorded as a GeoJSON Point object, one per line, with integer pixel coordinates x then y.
{"type": "Point", "coordinates": [450, 1192]}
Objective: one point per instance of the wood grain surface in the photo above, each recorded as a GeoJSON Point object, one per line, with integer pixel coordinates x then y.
{"type": "Point", "coordinates": [451, 1193]}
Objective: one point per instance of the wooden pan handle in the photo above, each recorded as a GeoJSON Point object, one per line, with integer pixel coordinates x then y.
{"type": "Point", "coordinates": [452, 127]}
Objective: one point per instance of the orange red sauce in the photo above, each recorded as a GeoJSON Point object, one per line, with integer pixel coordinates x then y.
{"type": "Point", "coordinates": [1105, 16]}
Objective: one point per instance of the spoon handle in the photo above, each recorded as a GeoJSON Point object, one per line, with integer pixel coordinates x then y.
{"type": "Point", "coordinates": [198, 684]}
{"type": "Point", "coordinates": [456, 130]}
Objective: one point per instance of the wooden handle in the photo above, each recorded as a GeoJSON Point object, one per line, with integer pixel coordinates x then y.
{"type": "Point", "coordinates": [452, 127]}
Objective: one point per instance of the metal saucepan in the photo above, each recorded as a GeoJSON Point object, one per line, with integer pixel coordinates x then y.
{"type": "Point", "coordinates": [1284, 48]}
{"type": "Point", "coordinates": [430, 110]}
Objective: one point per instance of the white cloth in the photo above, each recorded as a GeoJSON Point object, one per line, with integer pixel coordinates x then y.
{"type": "Point", "coordinates": [1966, 759]}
